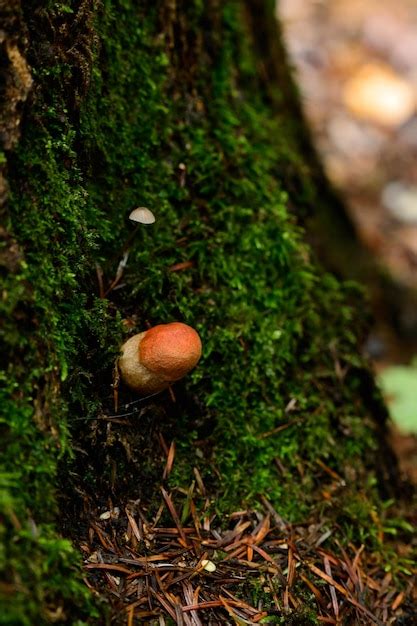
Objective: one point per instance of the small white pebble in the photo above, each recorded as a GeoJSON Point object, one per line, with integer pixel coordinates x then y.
{"type": "Point", "coordinates": [114, 513]}
{"type": "Point", "coordinates": [209, 566]}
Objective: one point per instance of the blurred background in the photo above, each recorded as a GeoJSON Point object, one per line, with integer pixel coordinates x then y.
{"type": "Point", "coordinates": [355, 63]}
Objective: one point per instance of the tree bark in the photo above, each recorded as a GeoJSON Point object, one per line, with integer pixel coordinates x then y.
{"type": "Point", "coordinates": [189, 109]}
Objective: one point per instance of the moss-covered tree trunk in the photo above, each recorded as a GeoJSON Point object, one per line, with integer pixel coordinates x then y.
{"type": "Point", "coordinates": [187, 108]}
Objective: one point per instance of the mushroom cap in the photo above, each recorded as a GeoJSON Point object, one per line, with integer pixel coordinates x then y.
{"type": "Point", "coordinates": [142, 215]}
{"type": "Point", "coordinates": [170, 350]}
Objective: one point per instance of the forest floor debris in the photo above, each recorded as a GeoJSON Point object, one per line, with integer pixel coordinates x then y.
{"type": "Point", "coordinates": [183, 565]}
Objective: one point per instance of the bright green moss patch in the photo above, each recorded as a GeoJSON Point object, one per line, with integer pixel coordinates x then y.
{"type": "Point", "coordinates": [135, 106]}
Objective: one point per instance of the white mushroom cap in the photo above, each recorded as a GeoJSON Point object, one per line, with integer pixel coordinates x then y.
{"type": "Point", "coordinates": [142, 215]}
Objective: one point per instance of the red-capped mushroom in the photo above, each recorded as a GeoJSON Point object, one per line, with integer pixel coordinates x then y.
{"type": "Point", "coordinates": [152, 360]}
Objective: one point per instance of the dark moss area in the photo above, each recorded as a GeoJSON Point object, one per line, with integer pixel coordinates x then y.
{"type": "Point", "coordinates": [162, 105]}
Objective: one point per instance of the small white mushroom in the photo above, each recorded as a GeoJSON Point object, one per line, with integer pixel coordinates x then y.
{"type": "Point", "coordinates": [142, 215]}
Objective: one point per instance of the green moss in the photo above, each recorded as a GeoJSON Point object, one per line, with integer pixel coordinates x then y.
{"type": "Point", "coordinates": [189, 131]}
{"type": "Point", "coordinates": [48, 588]}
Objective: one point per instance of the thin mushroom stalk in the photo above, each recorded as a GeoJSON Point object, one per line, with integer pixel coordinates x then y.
{"type": "Point", "coordinates": [158, 357]}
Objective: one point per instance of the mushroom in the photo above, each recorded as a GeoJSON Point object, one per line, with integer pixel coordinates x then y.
{"type": "Point", "coordinates": [142, 215]}
{"type": "Point", "coordinates": [152, 360]}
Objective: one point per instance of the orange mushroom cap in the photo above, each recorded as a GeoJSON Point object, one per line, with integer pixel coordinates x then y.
{"type": "Point", "coordinates": [170, 350]}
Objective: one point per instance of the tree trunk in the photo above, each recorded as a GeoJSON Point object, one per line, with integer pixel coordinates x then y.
{"type": "Point", "coordinates": [187, 108]}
